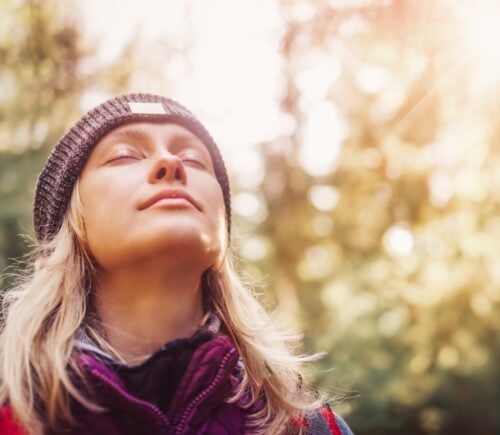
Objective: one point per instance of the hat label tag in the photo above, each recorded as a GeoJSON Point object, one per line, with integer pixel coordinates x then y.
{"type": "Point", "coordinates": [147, 108]}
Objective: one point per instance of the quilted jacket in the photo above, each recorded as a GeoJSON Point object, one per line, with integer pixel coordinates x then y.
{"type": "Point", "coordinates": [203, 370]}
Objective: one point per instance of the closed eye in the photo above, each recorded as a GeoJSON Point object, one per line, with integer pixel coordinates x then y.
{"type": "Point", "coordinates": [194, 161]}
{"type": "Point", "coordinates": [123, 155]}
{"type": "Point", "coordinates": [122, 159]}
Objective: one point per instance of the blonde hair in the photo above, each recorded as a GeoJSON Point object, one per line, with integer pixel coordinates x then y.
{"type": "Point", "coordinates": [52, 300]}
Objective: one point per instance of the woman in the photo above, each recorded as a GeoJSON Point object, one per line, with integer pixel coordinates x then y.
{"type": "Point", "coordinates": [132, 319]}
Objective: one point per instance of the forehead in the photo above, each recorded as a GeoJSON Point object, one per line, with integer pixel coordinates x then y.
{"type": "Point", "coordinates": [163, 129]}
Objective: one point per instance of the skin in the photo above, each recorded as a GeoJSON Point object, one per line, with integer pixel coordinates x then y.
{"type": "Point", "coordinates": [150, 260]}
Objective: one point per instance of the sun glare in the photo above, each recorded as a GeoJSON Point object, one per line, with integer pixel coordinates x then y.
{"type": "Point", "coordinates": [482, 33]}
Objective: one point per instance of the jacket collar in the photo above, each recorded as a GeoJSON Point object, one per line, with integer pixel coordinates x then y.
{"type": "Point", "coordinates": [212, 372]}
{"type": "Point", "coordinates": [84, 343]}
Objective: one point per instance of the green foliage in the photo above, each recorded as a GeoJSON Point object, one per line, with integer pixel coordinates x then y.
{"type": "Point", "coordinates": [44, 73]}
{"type": "Point", "coordinates": [391, 265]}
{"type": "Point", "coordinates": [398, 281]}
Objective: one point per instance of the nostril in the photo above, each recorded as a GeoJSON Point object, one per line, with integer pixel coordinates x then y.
{"type": "Point", "coordinates": [161, 173]}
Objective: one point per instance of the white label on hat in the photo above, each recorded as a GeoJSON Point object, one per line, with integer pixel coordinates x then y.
{"type": "Point", "coordinates": [150, 108]}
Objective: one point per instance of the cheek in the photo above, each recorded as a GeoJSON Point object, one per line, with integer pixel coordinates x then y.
{"type": "Point", "coordinates": [103, 203]}
{"type": "Point", "coordinates": [215, 204]}
{"type": "Point", "coordinates": [218, 213]}
{"type": "Point", "coordinates": [220, 228]}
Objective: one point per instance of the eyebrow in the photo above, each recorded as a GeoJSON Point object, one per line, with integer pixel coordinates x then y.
{"type": "Point", "coordinates": [138, 133]}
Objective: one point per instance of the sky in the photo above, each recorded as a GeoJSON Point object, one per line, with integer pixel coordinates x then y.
{"type": "Point", "coordinates": [233, 76]}
{"type": "Point", "coordinates": [228, 70]}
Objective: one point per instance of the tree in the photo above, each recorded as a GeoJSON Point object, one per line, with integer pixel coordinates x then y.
{"type": "Point", "coordinates": [45, 72]}
{"type": "Point", "coordinates": [391, 248]}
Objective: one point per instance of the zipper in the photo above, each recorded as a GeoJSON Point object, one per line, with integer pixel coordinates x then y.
{"type": "Point", "coordinates": [143, 404]}
{"type": "Point", "coordinates": [204, 393]}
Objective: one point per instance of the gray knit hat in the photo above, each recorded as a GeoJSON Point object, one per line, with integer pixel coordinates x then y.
{"type": "Point", "coordinates": [65, 163]}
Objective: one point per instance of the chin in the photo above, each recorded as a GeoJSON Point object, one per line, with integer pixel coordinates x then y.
{"type": "Point", "coordinates": [178, 243]}
{"type": "Point", "coordinates": [152, 241]}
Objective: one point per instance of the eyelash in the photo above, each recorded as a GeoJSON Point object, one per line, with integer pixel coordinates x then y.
{"type": "Point", "coordinates": [129, 156]}
{"type": "Point", "coordinates": [122, 156]}
{"type": "Point", "coordinates": [194, 160]}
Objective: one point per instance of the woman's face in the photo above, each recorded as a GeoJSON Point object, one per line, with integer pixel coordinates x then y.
{"type": "Point", "coordinates": [123, 188]}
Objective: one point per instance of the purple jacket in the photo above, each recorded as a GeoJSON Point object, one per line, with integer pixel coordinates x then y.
{"type": "Point", "coordinates": [196, 406]}
{"type": "Point", "coordinates": [202, 370]}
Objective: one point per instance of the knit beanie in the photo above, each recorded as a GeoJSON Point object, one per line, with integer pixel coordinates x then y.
{"type": "Point", "coordinates": [65, 163]}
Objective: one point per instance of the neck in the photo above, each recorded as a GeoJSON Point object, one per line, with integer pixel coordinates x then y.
{"type": "Point", "coordinates": [145, 305]}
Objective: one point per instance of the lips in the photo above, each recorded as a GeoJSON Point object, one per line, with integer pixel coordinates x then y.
{"type": "Point", "coordinates": [169, 193]}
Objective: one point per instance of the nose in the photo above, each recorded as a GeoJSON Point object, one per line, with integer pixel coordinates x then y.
{"type": "Point", "coordinates": [167, 167]}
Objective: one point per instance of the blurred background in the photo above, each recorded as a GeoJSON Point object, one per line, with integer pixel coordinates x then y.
{"type": "Point", "coordinates": [362, 139]}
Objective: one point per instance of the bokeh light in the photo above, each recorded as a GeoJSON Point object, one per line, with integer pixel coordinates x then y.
{"type": "Point", "coordinates": [362, 140]}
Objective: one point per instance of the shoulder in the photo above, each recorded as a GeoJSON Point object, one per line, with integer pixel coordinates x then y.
{"type": "Point", "coordinates": [325, 421]}
{"type": "Point", "coordinates": [8, 425]}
